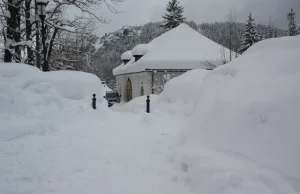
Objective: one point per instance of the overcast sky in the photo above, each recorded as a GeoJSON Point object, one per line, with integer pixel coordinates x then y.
{"type": "Point", "coordinates": [142, 11]}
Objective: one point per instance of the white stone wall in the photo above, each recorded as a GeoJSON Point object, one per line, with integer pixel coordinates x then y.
{"type": "Point", "coordinates": [138, 80]}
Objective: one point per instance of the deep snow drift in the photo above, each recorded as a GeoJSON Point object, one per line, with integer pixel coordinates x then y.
{"type": "Point", "coordinates": [52, 141]}
{"type": "Point", "coordinates": [33, 101]}
{"type": "Point", "coordinates": [232, 130]}
{"type": "Point", "coordinates": [247, 110]}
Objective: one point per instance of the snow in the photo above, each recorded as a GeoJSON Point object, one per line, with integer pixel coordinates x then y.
{"type": "Point", "coordinates": [247, 114]}
{"type": "Point", "coordinates": [179, 48]}
{"type": "Point", "coordinates": [23, 43]}
{"type": "Point", "coordinates": [126, 55]}
{"type": "Point", "coordinates": [186, 99]}
{"type": "Point", "coordinates": [232, 130]}
{"type": "Point", "coordinates": [98, 44]}
{"type": "Point", "coordinates": [140, 49]}
{"type": "Point", "coordinates": [121, 67]}
{"type": "Point", "coordinates": [7, 13]}
{"type": "Point", "coordinates": [25, 91]}
{"type": "Point", "coordinates": [52, 141]}
{"type": "Point", "coordinates": [106, 88]}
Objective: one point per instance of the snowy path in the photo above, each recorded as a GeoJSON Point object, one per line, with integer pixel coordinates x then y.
{"type": "Point", "coordinates": [117, 153]}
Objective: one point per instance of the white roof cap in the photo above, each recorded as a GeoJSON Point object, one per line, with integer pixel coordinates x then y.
{"type": "Point", "coordinates": [126, 56]}
{"type": "Point", "coordinates": [140, 49]}
{"type": "Point", "coordinates": [181, 48]}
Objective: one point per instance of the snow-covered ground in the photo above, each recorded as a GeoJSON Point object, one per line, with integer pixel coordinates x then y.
{"type": "Point", "coordinates": [106, 88]}
{"type": "Point", "coordinates": [52, 141]}
{"type": "Point", "coordinates": [231, 130]}
{"type": "Point", "coordinates": [247, 113]}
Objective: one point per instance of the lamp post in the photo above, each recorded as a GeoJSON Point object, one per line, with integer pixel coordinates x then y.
{"type": "Point", "coordinates": [41, 5]}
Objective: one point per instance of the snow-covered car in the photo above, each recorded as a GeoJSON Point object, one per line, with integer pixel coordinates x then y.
{"type": "Point", "coordinates": [112, 97]}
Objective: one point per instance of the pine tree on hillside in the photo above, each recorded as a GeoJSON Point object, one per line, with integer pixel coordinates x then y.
{"type": "Point", "coordinates": [174, 17]}
{"type": "Point", "coordinates": [292, 30]}
{"type": "Point", "coordinates": [275, 34]}
{"type": "Point", "coordinates": [250, 35]}
{"type": "Point", "coordinates": [270, 30]}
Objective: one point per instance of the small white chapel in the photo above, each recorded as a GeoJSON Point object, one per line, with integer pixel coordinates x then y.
{"type": "Point", "coordinates": [147, 67]}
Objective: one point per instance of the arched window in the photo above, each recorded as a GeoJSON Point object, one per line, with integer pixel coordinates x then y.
{"type": "Point", "coordinates": [129, 90]}
{"type": "Point", "coordinates": [142, 91]}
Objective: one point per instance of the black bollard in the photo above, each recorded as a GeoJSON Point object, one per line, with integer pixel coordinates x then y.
{"type": "Point", "coordinates": [94, 101]}
{"type": "Point", "coordinates": [148, 104]}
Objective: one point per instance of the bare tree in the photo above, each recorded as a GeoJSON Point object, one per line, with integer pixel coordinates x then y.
{"type": "Point", "coordinates": [231, 19]}
{"type": "Point", "coordinates": [209, 65]}
{"type": "Point", "coordinates": [224, 59]}
{"type": "Point", "coordinates": [160, 79]}
{"type": "Point", "coordinates": [22, 30]}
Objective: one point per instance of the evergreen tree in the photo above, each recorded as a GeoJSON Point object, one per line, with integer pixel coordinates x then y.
{"type": "Point", "coordinates": [292, 30]}
{"type": "Point", "coordinates": [250, 35]}
{"type": "Point", "coordinates": [174, 16]}
{"type": "Point", "coordinates": [275, 35]}
{"type": "Point", "coordinates": [270, 30]}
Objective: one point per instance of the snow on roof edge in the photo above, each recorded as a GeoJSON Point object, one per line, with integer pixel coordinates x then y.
{"type": "Point", "coordinates": [140, 49]}
{"type": "Point", "coordinates": [126, 55]}
{"type": "Point", "coordinates": [191, 60]}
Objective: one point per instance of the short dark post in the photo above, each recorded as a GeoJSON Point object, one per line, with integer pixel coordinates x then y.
{"type": "Point", "coordinates": [148, 104]}
{"type": "Point", "coordinates": [94, 101]}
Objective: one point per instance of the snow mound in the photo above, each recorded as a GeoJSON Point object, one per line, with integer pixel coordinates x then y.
{"type": "Point", "coordinates": [32, 97]}
{"type": "Point", "coordinates": [126, 55]}
{"type": "Point", "coordinates": [136, 105]}
{"type": "Point", "coordinates": [249, 109]}
{"type": "Point", "coordinates": [177, 93]}
{"type": "Point", "coordinates": [140, 49]}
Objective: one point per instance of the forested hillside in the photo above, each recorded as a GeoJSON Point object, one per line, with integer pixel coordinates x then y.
{"type": "Point", "coordinates": [100, 55]}
{"type": "Point", "coordinates": [113, 44]}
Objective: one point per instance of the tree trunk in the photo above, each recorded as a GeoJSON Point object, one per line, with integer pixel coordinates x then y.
{"type": "Point", "coordinates": [17, 27]}
{"type": "Point", "coordinates": [9, 32]}
{"type": "Point", "coordinates": [50, 48]}
{"type": "Point", "coordinates": [37, 41]}
{"type": "Point", "coordinates": [230, 43]}
{"type": "Point", "coordinates": [28, 32]}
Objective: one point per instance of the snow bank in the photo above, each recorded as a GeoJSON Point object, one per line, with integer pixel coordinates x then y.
{"type": "Point", "coordinates": [181, 92]}
{"type": "Point", "coordinates": [31, 97]}
{"type": "Point", "coordinates": [248, 109]}
{"type": "Point", "coordinates": [136, 105]}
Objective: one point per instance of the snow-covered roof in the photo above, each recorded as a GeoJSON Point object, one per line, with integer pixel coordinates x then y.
{"type": "Point", "coordinates": [177, 49]}
{"type": "Point", "coordinates": [126, 56]}
{"type": "Point", "coordinates": [140, 49]}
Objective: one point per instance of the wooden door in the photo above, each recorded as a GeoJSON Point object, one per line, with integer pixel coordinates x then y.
{"type": "Point", "coordinates": [129, 90]}
{"type": "Point", "coordinates": [142, 91]}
